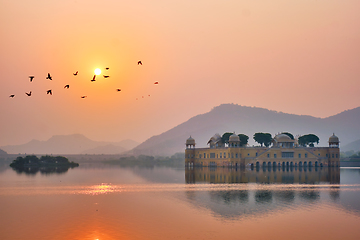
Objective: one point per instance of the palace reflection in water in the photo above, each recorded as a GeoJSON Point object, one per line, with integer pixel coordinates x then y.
{"type": "Point", "coordinates": [310, 175]}
{"type": "Point", "coordinates": [263, 190]}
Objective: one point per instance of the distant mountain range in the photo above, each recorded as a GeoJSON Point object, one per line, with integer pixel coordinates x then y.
{"type": "Point", "coordinates": [249, 120]}
{"type": "Point", "coordinates": [223, 118]}
{"type": "Point", "coordinates": [70, 144]}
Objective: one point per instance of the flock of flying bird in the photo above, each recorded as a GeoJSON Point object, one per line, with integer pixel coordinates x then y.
{"type": "Point", "coordinates": [68, 86]}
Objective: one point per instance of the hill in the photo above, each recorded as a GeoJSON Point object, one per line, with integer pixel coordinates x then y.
{"type": "Point", "coordinates": [248, 120]}
{"type": "Point", "coordinates": [70, 144]}
{"type": "Point", "coordinates": [353, 146]}
{"type": "Point", "coordinates": [2, 152]}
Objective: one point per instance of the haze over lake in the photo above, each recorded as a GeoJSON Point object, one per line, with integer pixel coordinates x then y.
{"type": "Point", "coordinates": [101, 201]}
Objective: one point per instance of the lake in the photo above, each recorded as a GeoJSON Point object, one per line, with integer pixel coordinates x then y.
{"type": "Point", "coordinates": [102, 201]}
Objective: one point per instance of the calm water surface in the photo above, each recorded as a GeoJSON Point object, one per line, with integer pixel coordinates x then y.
{"type": "Point", "coordinates": [109, 202]}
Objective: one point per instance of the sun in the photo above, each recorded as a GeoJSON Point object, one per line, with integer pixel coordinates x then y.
{"type": "Point", "coordinates": [97, 71]}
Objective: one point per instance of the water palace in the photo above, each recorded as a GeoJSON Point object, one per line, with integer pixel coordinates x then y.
{"type": "Point", "coordinates": [284, 152]}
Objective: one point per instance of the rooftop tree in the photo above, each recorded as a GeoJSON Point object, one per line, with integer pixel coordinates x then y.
{"type": "Point", "coordinates": [243, 139]}
{"type": "Point", "coordinates": [308, 139]}
{"type": "Point", "coordinates": [263, 138]}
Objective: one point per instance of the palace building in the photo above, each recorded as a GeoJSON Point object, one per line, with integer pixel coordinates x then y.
{"type": "Point", "coordinates": [284, 152]}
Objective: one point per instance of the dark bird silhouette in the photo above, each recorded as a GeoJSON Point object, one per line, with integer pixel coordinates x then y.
{"type": "Point", "coordinates": [156, 82]}
{"type": "Point", "coordinates": [12, 95]}
{"type": "Point", "coordinates": [31, 78]}
{"type": "Point", "coordinates": [76, 73]}
{"type": "Point", "coordinates": [139, 63]}
{"type": "Point", "coordinates": [118, 89]}
{"type": "Point", "coordinates": [67, 86]}
{"type": "Point", "coordinates": [106, 76]}
{"type": "Point", "coordinates": [49, 77]}
{"type": "Point", "coordinates": [49, 92]}
{"type": "Point", "coordinates": [29, 94]}
{"type": "Point", "coordinates": [93, 80]}
{"type": "Point", "coordinates": [83, 96]}
{"type": "Point", "coordinates": [107, 68]}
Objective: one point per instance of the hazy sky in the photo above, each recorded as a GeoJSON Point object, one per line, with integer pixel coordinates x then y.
{"type": "Point", "coordinates": [300, 57]}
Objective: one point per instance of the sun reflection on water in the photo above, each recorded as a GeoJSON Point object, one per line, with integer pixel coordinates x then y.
{"type": "Point", "coordinates": [100, 189]}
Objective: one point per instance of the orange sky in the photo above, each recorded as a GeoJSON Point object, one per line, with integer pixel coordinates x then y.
{"type": "Point", "coordinates": [300, 57]}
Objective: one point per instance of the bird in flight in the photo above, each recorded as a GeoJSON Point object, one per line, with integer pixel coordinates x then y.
{"type": "Point", "coordinates": [49, 77]}
{"type": "Point", "coordinates": [107, 68]}
{"type": "Point", "coordinates": [156, 82]}
{"type": "Point", "coordinates": [29, 94]}
{"type": "Point", "coordinates": [106, 76]}
{"type": "Point", "coordinates": [49, 92]}
{"type": "Point", "coordinates": [67, 86]}
{"type": "Point", "coordinates": [118, 89]}
{"type": "Point", "coordinates": [139, 63]}
{"type": "Point", "coordinates": [75, 73]}
{"type": "Point", "coordinates": [31, 78]}
{"type": "Point", "coordinates": [93, 80]}
{"type": "Point", "coordinates": [12, 95]}
{"type": "Point", "coordinates": [83, 96]}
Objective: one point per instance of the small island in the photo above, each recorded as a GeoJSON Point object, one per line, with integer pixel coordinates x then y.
{"type": "Point", "coordinates": [44, 161]}
{"type": "Point", "coordinates": [31, 164]}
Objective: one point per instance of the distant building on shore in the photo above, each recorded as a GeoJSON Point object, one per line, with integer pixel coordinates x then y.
{"type": "Point", "coordinates": [284, 152]}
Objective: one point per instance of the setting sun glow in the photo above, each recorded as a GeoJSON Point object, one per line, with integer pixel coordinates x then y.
{"type": "Point", "coordinates": [97, 71]}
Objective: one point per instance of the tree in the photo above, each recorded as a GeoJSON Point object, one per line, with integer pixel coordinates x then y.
{"type": "Point", "coordinates": [267, 139]}
{"type": "Point", "coordinates": [302, 141]}
{"type": "Point", "coordinates": [263, 138]}
{"type": "Point", "coordinates": [312, 138]}
{"type": "Point", "coordinates": [308, 139]}
{"type": "Point", "coordinates": [225, 137]}
{"type": "Point", "coordinates": [258, 137]}
{"type": "Point", "coordinates": [243, 139]}
{"type": "Point", "coordinates": [289, 134]}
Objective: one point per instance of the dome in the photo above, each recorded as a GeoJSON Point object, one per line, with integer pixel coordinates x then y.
{"type": "Point", "coordinates": [283, 138]}
{"type": "Point", "coordinates": [190, 141]}
{"type": "Point", "coordinates": [216, 137]}
{"type": "Point", "coordinates": [234, 138]}
{"type": "Point", "coordinates": [333, 139]}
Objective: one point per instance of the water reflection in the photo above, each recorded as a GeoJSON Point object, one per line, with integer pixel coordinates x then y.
{"type": "Point", "coordinates": [261, 191]}
{"type": "Point", "coordinates": [265, 175]}
{"type": "Point", "coordinates": [42, 170]}
{"type": "Point", "coordinates": [163, 203]}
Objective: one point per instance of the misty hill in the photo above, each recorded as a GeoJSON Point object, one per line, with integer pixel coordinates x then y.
{"type": "Point", "coordinates": [249, 120]}
{"type": "Point", "coordinates": [2, 152]}
{"type": "Point", "coordinates": [70, 144]}
{"type": "Point", "coordinates": [355, 146]}
{"type": "Point", "coordinates": [107, 149]}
